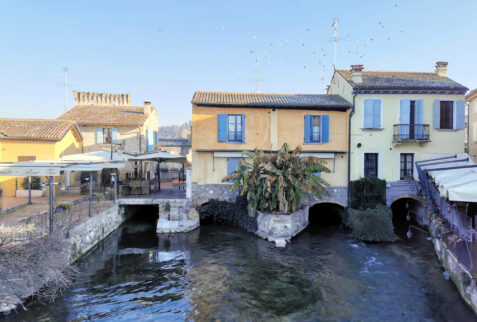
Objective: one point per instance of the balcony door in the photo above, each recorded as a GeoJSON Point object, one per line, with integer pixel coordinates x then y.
{"type": "Point", "coordinates": [411, 120]}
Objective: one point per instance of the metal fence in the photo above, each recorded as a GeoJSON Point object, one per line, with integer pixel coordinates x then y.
{"type": "Point", "coordinates": [65, 216]}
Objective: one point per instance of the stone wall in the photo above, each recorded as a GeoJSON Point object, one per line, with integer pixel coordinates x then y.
{"type": "Point", "coordinates": [202, 193]}
{"type": "Point", "coordinates": [461, 277]}
{"type": "Point", "coordinates": [86, 235]}
{"type": "Point", "coordinates": [337, 195]}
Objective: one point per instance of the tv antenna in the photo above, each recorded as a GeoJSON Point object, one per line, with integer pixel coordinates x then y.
{"type": "Point", "coordinates": [65, 69]}
{"type": "Point", "coordinates": [335, 40]}
{"type": "Point", "coordinates": [257, 65]}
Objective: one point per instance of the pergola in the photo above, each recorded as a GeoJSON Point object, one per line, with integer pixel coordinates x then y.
{"type": "Point", "coordinates": [51, 169]}
{"type": "Point", "coordinates": [159, 157]}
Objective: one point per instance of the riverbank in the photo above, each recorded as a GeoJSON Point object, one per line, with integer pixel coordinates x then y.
{"type": "Point", "coordinates": [227, 273]}
{"type": "Point", "coordinates": [79, 240]}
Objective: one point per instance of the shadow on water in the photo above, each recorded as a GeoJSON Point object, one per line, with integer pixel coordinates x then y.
{"type": "Point", "coordinates": [220, 272]}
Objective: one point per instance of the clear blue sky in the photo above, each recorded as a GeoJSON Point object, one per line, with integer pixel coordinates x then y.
{"type": "Point", "coordinates": [162, 51]}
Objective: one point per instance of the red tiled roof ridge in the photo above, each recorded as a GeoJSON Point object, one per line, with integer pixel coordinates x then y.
{"type": "Point", "coordinates": [258, 94]}
{"type": "Point", "coordinates": [385, 71]}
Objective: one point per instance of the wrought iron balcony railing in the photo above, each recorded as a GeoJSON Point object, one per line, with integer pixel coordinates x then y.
{"type": "Point", "coordinates": [411, 132]}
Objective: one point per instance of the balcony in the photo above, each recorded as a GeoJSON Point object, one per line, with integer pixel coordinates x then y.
{"type": "Point", "coordinates": [411, 133]}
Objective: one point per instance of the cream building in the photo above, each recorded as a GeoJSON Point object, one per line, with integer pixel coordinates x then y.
{"type": "Point", "coordinates": [109, 121]}
{"type": "Point", "coordinates": [399, 118]}
{"type": "Point", "coordinates": [471, 98]}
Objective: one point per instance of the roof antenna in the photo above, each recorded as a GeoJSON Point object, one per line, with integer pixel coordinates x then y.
{"type": "Point", "coordinates": [335, 26]}
{"type": "Point", "coordinates": [65, 69]}
{"type": "Point", "coordinates": [257, 64]}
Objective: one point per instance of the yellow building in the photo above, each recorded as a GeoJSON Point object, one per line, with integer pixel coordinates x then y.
{"type": "Point", "coordinates": [35, 139]}
{"type": "Point", "coordinates": [224, 125]}
{"type": "Point", "coordinates": [471, 98]}
{"type": "Point", "coordinates": [399, 118]}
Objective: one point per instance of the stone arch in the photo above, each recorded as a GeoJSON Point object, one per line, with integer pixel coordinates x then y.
{"type": "Point", "coordinates": [326, 212]}
{"type": "Point", "coordinates": [406, 196]}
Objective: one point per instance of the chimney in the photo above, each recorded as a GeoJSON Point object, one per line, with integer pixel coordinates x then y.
{"type": "Point", "coordinates": [357, 73]}
{"type": "Point", "coordinates": [147, 107]}
{"type": "Point", "coordinates": [441, 68]}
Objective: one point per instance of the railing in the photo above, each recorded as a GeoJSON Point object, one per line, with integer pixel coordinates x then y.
{"type": "Point", "coordinates": [65, 216]}
{"type": "Point", "coordinates": [411, 132]}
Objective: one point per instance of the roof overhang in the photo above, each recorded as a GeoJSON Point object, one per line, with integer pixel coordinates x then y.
{"type": "Point", "coordinates": [53, 168]}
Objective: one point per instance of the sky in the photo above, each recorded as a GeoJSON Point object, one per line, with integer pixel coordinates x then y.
{"type": "Point", "coordinates": [162, 51]}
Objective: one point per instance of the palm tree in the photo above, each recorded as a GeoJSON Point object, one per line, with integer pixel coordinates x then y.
{"type": "Point", "coordinates": [278, 182]}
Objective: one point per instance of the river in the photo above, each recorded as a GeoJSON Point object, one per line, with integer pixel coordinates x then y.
{"type": "Point", "coordinates": [225, 273]}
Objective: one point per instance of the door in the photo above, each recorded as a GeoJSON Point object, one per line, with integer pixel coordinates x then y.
{"type": "Point", "coordinates": [406, 166]}
{"type": "Point", "coordinates": [412, 119]}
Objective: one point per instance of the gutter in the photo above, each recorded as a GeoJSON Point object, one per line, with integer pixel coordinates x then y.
{"type": "Point", "coordinates": [349, 145]}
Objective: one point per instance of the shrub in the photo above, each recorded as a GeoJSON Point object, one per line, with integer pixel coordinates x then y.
{"type": "Point", "coordinates": [372, 225]}
{"type": "Point", "coordinates": [277, 182]}
{"type": "Point", "coordinates": [35, 183]}
{"type": "Point", "coordinates": [368, 193]}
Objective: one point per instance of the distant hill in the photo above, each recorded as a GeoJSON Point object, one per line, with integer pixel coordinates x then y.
{"type": "Point", "coordinates": [182, 131]}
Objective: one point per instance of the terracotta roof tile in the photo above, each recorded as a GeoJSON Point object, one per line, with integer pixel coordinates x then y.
{"type": "Point", "coordinates": [472, 94]}
{"type": "Point", "coordinates": [106, 115]}
{"type": "Point", "coordinates": [35, 129]}
{"type": "Point", "coordinates": [292, 101]}
{"type": "Point", "coordinates": [373, 79]}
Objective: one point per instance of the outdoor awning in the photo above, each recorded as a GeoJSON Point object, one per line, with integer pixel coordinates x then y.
{"type": "Point", "coordinates": [53, 168]}
{"type": "Point", "coordinates": [159, 157]}
{"type": "Point", "coordinates": [103, 156]}
{"type": "Point", "coordinates": [459, 184]}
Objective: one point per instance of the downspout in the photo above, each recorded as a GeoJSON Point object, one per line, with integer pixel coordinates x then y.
{"type": "Point", "coordinates": [140, 135]}
{"type": "Point", "coordinates": [349, 146]}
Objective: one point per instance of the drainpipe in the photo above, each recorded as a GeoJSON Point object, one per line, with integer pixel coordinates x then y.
{"type": "Point", "coordinates": [349, 146]}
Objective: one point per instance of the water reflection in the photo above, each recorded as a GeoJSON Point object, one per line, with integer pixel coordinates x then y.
{"type": "Point", "coordinates": [225, 273]}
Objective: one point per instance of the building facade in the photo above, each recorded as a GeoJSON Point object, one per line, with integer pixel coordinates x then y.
{"type": "Point", "coordinates": [399, 118]}
{"type": "Point", "coordinates": [224, 125]}
{"type": "Point", "coordinates": [35, 139]}
{"type": "Point", "coordinates": [108, 121]}
{"type": "Point", "coordinates": [471, 98]}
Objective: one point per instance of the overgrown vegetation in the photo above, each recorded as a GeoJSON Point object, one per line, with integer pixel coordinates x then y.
{"type": "Point", "coordinates": [35, 183]}
{"type": "Point", "coordinates": [278, 182]}
{"type": "Point", "coordinates": [227, 213]}
{"type": "Point", "coordinates": [372, 225]}
{"type": "Point", "coordinates": [33, 262]}
{"type": "Point", "coordinates": [368, 193]}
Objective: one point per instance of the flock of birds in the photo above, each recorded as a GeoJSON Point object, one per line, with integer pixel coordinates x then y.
{"type": "Point", "coordinates": [322, 57]}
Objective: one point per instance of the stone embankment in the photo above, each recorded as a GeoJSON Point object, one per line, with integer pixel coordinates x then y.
{"type": "Point", "coordinates": [81, 238]}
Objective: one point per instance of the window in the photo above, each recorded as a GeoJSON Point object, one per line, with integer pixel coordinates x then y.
{"type": "Point", "coordinates": [447, 115]}
{"type": "Point", "coordinates": [315, 129]}
{"type": "Point", "coordinates": [107, 135]}
{"type": "Point", "coordinates": [372, 114]}
{"type": "Point", "coordinates": [371, 165]}
{"type": "Point", "coordinates": [406, 166]}
{"type": "Point", "coordinates": [234, 128]}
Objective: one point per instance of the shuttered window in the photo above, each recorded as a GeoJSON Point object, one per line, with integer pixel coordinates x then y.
{"type": "Point", "coordinates": [231, 128]}
{"type": "Point", "coordinates": [372, 114]}
{"type": "Point", "coordinates": [317, 128]}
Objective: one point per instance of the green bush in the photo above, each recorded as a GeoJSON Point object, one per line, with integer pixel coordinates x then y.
{"type": "Point", "coordinates": [368, 193]}
{"type": "Point", "coordinates": [277, 182]}
{"type": "Point", "coordinates": [35, 183]}
{"type": "Point", "coordinates": [372, 225]}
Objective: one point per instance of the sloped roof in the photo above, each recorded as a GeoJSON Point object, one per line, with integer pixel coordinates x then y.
{"type": "Point", "coordinates": [107, 115]}
{"type": "Point", "coordinates": [268, 100]}
{"type": "Point", "coordinates": [35, 129]}
{"type": "Point", "coordinates": [377, 79]}
{"type": "Point", "coordinates": [472, 94]}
